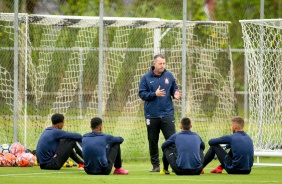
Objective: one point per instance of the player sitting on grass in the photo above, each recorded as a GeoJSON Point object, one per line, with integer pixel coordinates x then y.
{"type": "Point", "coordinates": [239, 160]}
{"type": "Point", "coordinates": [101, 151]}
{"type": "Point", "coordinates": [55, 145]}
{"type": "Point", "coordinates": [184, 151]}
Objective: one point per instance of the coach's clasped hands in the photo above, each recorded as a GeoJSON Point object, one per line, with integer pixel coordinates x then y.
{"type": "Point", "coordinates": [161, 92]}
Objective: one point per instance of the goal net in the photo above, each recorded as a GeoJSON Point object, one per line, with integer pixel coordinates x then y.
{"type": "Point", "coordinates": [59, 72]}
{"type": "Point", "coordinates": [263, 43]}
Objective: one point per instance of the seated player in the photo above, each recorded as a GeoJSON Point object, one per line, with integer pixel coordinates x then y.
{"type": "Point", "coordinates": [101, 151]}
{"type": "Point", "coordinates": [184, 151]}
{"type": "Point", "coordinates": [55, 145]}
{"type": "Point", "coordinates": [240, 158]}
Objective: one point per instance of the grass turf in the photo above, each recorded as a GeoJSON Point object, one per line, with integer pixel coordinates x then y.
{"type": "Point", "coordinates": [139, 173]}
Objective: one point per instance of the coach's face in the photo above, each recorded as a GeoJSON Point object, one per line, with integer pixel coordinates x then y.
{"type": "Point", "coordinates": [159, 65]}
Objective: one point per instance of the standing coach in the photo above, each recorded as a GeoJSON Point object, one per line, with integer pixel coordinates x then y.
{"type": "Point", "coordinates": [157, 88]}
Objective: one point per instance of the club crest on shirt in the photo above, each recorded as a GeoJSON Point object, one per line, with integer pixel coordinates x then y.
{"type": "Point", "coordinates": [166, 81]}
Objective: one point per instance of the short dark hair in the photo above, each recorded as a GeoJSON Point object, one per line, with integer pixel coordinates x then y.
{"type": "Point", "coordinates": [57, 118]}
{"type": "Point", "coordinates": [159, 55]}
{"type": "Point", "coordinates": [238, 120]}
{"type": "Point", "coordinates": [95, 122]}
{"type": "Point", "coordinates": [186, 123]}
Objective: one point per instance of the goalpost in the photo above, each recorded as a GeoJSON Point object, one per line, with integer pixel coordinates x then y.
{"type": "Point", "coordinates": [58, 72]}
{"type": "Point", "coordinates": [263, 50]}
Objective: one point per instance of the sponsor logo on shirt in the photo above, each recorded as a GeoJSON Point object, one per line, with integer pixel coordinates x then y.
{"type": "Point", "coordinates": [166, 81]}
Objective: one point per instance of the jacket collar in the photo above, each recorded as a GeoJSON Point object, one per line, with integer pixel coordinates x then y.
{"type": "Point", "coordinates": [153, 74]}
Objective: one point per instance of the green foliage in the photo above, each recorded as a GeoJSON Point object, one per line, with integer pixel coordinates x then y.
{"type": "Point", "coordinates": [158, 9]}
{"type": "Point", "coordinates": [81, 7]}
{"type": "Point", "coordinates": [195, 10]}
{"type": "Point", "coordinates": [91, 7]}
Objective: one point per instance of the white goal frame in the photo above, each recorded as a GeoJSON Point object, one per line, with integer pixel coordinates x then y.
{"type": "Point", "coordinates": [262, 41]}
{"type": "Point", "coordinates": [259, 154]}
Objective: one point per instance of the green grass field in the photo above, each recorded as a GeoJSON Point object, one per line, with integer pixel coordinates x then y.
{"type": "Point", "coordinates": [139, 173]}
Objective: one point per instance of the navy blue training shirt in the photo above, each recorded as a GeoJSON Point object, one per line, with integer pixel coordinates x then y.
{"type": "Point", "coordinates": [94, 150]}
{"type": "Point", "coordinates": [242, 149]}
{"type": "Point", "coordinates": [188, 146]}
{"type": "Point", "coordinates": [49, 141]}
{"type": "Point", "coordinates": [157, 107]}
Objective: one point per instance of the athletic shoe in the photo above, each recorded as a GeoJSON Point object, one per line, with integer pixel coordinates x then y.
{"type": "Point", "coordinates": [155, 169]}
{"type": "Point", "coordinates": [163, 171]}
{"type": "Point", "coordinates": [217, 170]}
{"type": "Point", "coordinates": [203, 172]}
{"type": "Point", "coordinates": [80, 166]}
{"type": "Point", "coordinates": [120, 171]}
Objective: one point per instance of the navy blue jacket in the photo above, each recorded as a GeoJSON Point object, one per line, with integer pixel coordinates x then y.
{"type": "Point", "coordinates": [242, 149]}
{"type": "Point", "coordinates": [188, 145]}
{"type": "Point", "coordinates": [49, 141]}
{"type": "Point", "coordinates": [94, 150]}
{"type": "Point", "coordinates": [157, 107]}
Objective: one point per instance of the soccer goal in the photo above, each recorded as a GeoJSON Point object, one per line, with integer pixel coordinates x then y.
{"type": "Point", "coordinates": [59, 72]}
{"type": "Point", "coordinates": [263, 50]}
